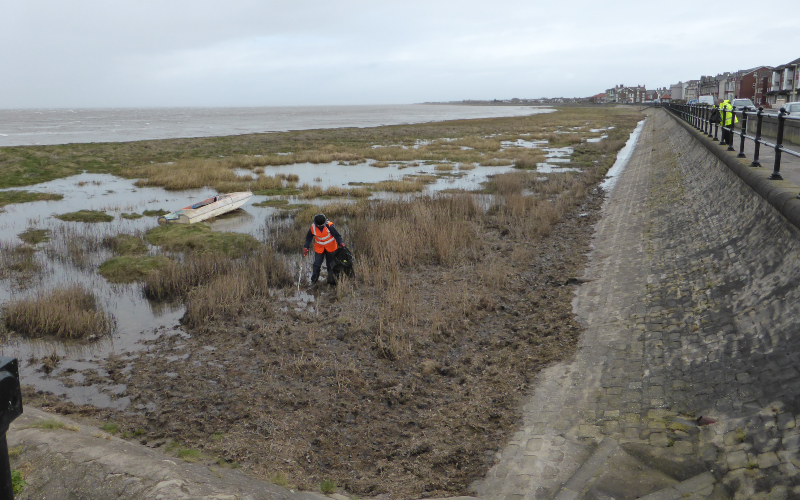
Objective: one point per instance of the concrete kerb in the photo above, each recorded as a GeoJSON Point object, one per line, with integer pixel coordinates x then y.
{"type": "Point", "coordinates": [781, 194]}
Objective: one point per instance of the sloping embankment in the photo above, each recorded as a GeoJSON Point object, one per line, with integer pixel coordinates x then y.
{"type": "Point", "coordinates": [726, 268]}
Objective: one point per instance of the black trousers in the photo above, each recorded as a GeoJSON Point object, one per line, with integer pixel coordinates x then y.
{"type": "Point", "coordinates": [317, 266]}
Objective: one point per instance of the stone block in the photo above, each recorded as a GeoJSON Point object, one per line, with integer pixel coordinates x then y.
{"type": "Point", "coordinates": [659, 439]}
{"type": "Point", "coordinates": [786, 421]}
{"type": "Point", "coordinates": [737, 460]}
{"type": "Point", "coordinates": [683, 447]}
{"type": "Point", "coordinates": [767, 460]}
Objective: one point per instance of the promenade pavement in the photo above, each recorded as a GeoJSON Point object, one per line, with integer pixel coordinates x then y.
{"type": "Point", "coordinates": [692, 313]}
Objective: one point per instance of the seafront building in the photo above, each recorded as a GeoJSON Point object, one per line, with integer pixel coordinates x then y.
{"type": "Point", "coordinates": [767, 86]}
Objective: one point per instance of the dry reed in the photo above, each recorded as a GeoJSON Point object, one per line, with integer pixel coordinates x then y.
{"type": "Point", "coordinates": [67, 313]}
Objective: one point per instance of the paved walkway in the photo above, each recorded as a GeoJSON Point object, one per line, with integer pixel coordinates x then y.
{"type": "Point", "coordinates": [693, 313]}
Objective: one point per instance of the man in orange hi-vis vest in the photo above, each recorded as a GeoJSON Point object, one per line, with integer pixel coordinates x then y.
{"type": "Point", "coordinates": [326, 240]}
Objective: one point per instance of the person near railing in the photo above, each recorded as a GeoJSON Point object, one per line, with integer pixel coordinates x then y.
{"type": "Point", "coordinates": [729, 119]}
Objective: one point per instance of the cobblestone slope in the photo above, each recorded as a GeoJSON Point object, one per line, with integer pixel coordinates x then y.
{"type": "Point", "coordinates": [694, 312]}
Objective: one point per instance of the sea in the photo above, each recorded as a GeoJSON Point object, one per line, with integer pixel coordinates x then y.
{"type": "Point", "coordinates": [27, 127]}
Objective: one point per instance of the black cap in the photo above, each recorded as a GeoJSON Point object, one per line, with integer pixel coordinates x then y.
{"type": "Point", "coordinates": [320, 219]}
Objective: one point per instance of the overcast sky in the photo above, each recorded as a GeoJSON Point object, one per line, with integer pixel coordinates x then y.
{"type": "Point", "coordinates": [112, 53]}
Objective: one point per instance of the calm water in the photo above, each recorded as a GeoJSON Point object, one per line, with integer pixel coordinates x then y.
{"type": "Point", "coordinates": [62, 126]}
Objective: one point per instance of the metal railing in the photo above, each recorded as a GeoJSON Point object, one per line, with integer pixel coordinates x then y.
{"type": "Point", "coordinates": [699, 116]}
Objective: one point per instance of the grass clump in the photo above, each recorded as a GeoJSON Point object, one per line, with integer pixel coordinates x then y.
{"type": "Point", "coordinates": [199, 238]}
{"type": "Point", "coordinates": [328, 486]}
{"type": "Point", "coordinates": [34, 236]}
{"type": "Point", "coordinates": [130, 268]}
{"type": "Point", "coordinates": [14, 196]}
{"type": "Point", "coordinates": [309, 192]}
{"type": "Point", "coordinates": [279, 479]}
{"type": "Point", "coordinates": [110, 427]}
{"type": "Point", "coordinates": [52, 424]}
{"type": "Point", "coordinates": [271, 203]}
{"type": "Point", "coordinates": [155, 213]}
{"type": "Point", "coordinates": [66, 313]}
{"type": "Point", "coordinates": [17, 481]}
{"type": "Point", "coordinates": [90, 216]}
{"type": "Point", "coordinates": [403, 186]}
{"type": "Point", "coordinates": [125, 244]}
{"type": "Point", "coordinates": [281, 191]}
{"type": "Point", "coordinates": [132, 216]}
{"type": "Point", "coordinates": [17, 258]}
{"type": "Point", "coordinates": [189, 454]}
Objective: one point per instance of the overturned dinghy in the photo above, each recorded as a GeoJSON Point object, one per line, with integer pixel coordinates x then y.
{"type": "Point", "coordinates": [207, 209]}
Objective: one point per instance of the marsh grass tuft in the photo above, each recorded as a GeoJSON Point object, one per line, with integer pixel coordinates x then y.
{"type": "Point", "coordinates": [125, 244]}
{"type": "Point", "coordinates": [155, 213]}
{"type": "Point", "coordinates": [130, 268]}
{"type": "Point", "coordinates": [11, 197]}
{"type": "Point", "coordinates": [34, 236]}
{"type": "Point", "coordinates": [132, 216]}
{"type": "Point", "coordinates": [199, 238]}
{"type": "Point", "coordinates": [18, 259]}
{"type": "Point", "coordinates": [66, 313]}
{"type": "Point", "coordinates": [90, 216]}
{"type": "Point", "coordinates": [271, 203]}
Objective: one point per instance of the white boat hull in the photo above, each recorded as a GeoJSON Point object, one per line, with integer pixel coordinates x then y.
{"type": "Point", "coordinates": [206, 209]}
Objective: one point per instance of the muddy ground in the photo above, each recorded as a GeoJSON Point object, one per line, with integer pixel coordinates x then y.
{"type": "Point", "coordinates": [330, 391]}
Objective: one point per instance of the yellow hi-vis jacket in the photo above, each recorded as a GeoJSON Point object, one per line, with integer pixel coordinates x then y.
{"type": "Point", "coordinates": [729, 116]}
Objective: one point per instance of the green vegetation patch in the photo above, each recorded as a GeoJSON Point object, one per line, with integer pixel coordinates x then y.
{"type": "Point", "coordinates": [125, 244]}
{"type": "Point", "coordinates": [189, 454]}
{"type": "Point", "coordinates": [199, 238]}
{"type": "Point", "coordinates": [34, 236]}
{"type": "Point", "coordinates": [17, 482]}
{"type": "Point", "coordinates": [52, 424]}
{"type": "Point", "coordinates": [155, 213]}
{"type": "Point", "coordinates": [131, 216]}
{"type": "Point", "coordinates": [86, 216]}
{"type": "Point", "coordinates": [9, 197]}
{"type": "Point", "coordinates": [129, 268]}
{"type": "Point", "coordinates": [271, 203]}
{"type": "Point", "coordinates": [110, 427]}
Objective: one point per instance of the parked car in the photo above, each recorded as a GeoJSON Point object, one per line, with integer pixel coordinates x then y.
{"type": "Point", "coordinates": [792, 107]}
{"type": "Point", "coordinates": [741, 103]}
{"type": "Point", "coordinates": [692, 101]}
{"type": "Point", "coordinates": [706, 99]}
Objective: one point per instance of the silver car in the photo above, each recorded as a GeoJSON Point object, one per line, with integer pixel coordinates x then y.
{"type": "Point", "coordinates": [741, 103]}
{"type": "Point", "coordinates": [792, 107]}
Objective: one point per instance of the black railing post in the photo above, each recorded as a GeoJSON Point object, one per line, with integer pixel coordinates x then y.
{"type": "Point", "coordinates": [10, 408]}
{"type": "Point", "coordinates": [722, 111]}
{"type": "Point", "coordinates": [733, 127]}
{"type": "Point", "coordinates": [716, 128]}
{"type": "Point", "coordinates": [776, 170]}
{"type": "Point", "coordinates": [744, 132]}
{"type": "Point", "coordinates": [759, 117]}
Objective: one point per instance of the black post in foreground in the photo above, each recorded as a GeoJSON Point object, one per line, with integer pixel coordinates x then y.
{"type": "Point", "coordinates": [776, 170]}
{"type": "Point", "coordinates": [10, 408]}
{"type": "Point", "coordinates": [759, 117]}
{"type": "Point", "coordinates": [743, 134]}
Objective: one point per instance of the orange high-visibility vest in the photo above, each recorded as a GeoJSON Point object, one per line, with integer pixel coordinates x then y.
{"type": "Point", "coordinates": [324, 240]}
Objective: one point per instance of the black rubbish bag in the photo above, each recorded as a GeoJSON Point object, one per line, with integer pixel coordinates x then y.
{"type": "Point", "coordinates": [715, 116]}
{"type": "Point", "coordinates": [342, 265]}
